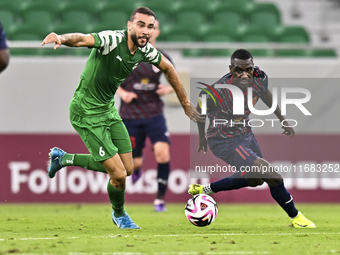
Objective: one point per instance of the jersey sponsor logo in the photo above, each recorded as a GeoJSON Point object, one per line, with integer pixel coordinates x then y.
{"type": "Point", "coordinates": [144, 85]}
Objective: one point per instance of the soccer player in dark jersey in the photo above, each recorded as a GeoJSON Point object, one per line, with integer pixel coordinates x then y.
{"type": "Point", "coordinates": [92, 109]}
{"type": "Point", "coordinates": [142, 113]}
{"type": "Point", "coordinates": [235, 143]}
{"type": "Point", "coordinates": [4, 52]}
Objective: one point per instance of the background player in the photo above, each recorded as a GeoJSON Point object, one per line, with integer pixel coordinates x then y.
{"type": "Point", "coordinates": [92, 110]}
{"type": "Point", "coordinates": [236, 145]}
{"type": "Point", "coordinates": [4, 52]}
{"type": "Point", "coordinates": [142, 113]}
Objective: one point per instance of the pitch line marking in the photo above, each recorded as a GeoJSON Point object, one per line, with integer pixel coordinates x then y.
{"type": "Point", "coordinates": [223, 234]}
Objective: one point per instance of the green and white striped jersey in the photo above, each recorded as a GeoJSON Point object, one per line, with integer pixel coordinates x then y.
{"type": "Point", "coordinates": [108, 65]}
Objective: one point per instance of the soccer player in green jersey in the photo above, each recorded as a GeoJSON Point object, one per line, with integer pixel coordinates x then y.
{"type": "Point", "coordinates": [92, 110]}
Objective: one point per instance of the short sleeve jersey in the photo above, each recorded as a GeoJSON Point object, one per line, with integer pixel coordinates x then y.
{"type": "Point", "coordinates": [108, 65]}
{"type": "Point", "coordinates": [225, 111]}
{"type": "Point", "coordinates": [3, 44]}
{"type": "Point", "coordinates": [143, 81]}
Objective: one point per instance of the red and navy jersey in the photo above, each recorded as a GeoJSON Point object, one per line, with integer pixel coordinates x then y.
{"type": "Point", "coordinates": [234, 124]}
{"type": "Point", "coordinates": [144, 81]}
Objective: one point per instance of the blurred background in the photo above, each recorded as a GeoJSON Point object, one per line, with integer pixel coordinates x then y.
{"type": "Point", "coordinates": [288, 39]}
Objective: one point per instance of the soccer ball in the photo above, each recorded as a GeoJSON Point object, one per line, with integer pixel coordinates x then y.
{"type": "Point", "coordinates": [201, 210]}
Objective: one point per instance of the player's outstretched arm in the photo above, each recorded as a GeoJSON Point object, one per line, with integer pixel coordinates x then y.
{"type": "Point", "coordinates": [172, 76]}
{"type": "Point", "coordinates": [267, 98]}
{"type": "Point", "coordinates": [72, 40]}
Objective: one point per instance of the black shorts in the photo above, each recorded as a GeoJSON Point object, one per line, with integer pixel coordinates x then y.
{"type": "Point", "coordinates": [154, 128]}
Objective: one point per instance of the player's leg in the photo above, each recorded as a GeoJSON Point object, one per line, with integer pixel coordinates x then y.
{"type": "Point", "coordinates": [159, 136]}
{"type": "Point", "coordinates": [137, 132]}
{"type": "Point", "coordinates": [235, 152]}
{"type": "Point", "coordinates": [119, 166]}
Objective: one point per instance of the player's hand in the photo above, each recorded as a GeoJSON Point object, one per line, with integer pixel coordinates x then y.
{"type": "Point", "coordinates": [52, 38]}
{"type": "Point", "coordinates": [202, 144]}
{"type": "Point", "coordinates": [128, 96]}
{"type": "Point", "coordinates": [287, 130]}
{"type": "Point", "coordinates": [193, 114]}
{"type": "Point", "coordinates": [163, 90]}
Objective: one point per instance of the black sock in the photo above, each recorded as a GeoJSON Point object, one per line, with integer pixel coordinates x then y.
{"type": "Point", "coordinates": [284, 199]}
{"type": "Point", "coordinates": [234, 181]}
{"type": "Point", "coordinates": [163, 171]}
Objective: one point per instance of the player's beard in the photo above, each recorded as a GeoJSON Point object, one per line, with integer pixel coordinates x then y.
{"type": "Point", "coordinates": [135, 40]}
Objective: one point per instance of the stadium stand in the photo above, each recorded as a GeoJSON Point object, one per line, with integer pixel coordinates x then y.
{"type": "Point", "coordinates": [181, 21]}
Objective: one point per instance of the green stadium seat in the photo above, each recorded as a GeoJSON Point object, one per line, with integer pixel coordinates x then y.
{"type": "Point", "coordinates": [193, 53]}
{"type": "Point", "coordinates": [90, 6]}
{"type": "Point", "coordinates": [293, 53]}
{"type": "Point", "coordinates": [180, 38]}
{"type": "Point", "coordinates": [257, 34]}
{"type": "Point", "coordinates": [190, 23]}
{"type": "Point", "coordinates": [220, 52]}
{"type": "Point", "coordinates": [16, 6]}
{"type": "Point", "coordinates": [9, 21]}
{"type": "Point", "coordinates": [164, 23]}
{"type": "Point", "coordinates": [264, 14]}
{"type": "Point", "coordinates": [221, 30]}
{"type": "Point", "coordinates": [111, 20]}
{"type": "Point", "coordinates": [80, 52]}
{"type": "Point", "coordinates": [42, 25]}
{"type": "Point", "coordinates": [201, 6]}
{"type": "Point", "coordinates": [53, 7]}
{"type": "Point", "coordinates": [30, 36]}
{"type": "Point", "coordinates": [219, 38]}
{"type": "Point", "coordinates": [126, 6]}
{"type": "Point", "coordinates": [293, 34]}
{"type": "Point", "coordinates": [240, 6]}
{"type": "Point", "coordinates": [262, 53]}
{"type": "Point", "coordinates": [169, 7]}
{"type": "Point", "coordinates": [324, 53]}
{"type": "Point", "coordinates": [75, 21]}
{"type": "Point", "coordinates": [227, 18]}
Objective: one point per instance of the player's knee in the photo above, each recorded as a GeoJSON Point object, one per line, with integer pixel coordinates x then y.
{"type": "Point", "coordinates": [162, 157]}
{"type": "Point", "coordinates": [255, 182]}
{"type": "Point", "coordinates": [274, 179]}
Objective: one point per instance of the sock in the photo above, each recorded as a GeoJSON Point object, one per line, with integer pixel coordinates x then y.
{"type": "Point", "coordinates": [234, 181]}
{"type": "Point", "coordinates": [83, 160]}
{"type": "Point", "coordinates": [163, 171]}
{"type": "Point", "coordinates": [284, 199]}
{"type": "Point", "coordinates": [117, 198]}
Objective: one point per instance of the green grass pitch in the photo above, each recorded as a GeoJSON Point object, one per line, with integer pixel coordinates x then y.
{"type": "Point", "coordinates": [84, 229]}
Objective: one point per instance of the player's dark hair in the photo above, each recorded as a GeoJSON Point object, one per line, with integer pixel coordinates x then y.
{"type": "Point", "coordinates": [241, 54]}
{"type": "Point", "coordinates": [142, 10]}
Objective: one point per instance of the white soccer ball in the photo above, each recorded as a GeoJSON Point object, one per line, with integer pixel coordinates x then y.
{"type": "Point", "coordinates": [201, 210]}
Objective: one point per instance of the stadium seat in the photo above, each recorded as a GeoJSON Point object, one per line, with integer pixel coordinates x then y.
{"type": "Point", "coordinates": [90, 6]}
{"type": "Point", "coordinates": [165, 24]}
{"type": "Point", "coordinates": [240, 6]}
{"type": "Point", "coordinates": [227, 18]}
{"type": "Point", "coordinates": [111, 20]}
{"type": "Point", "coordinates": [75, 21]}
{"type": "Point", "coordinates": [30, 36]}
{"type": "Point", "coordinates": [262, 53]}
{"type": "Point", "coordinates": [9, 21]}
{"type": "Point", "coordinates": [293, 34]}
{"type": "Point", "coordinates": [42, 25]}
{"type": "Point", "coordinates": [190, 23]}
{"type": "Point", "coordinates": [293, 53]}
{"type": "Point", "coordinates": [219, 38]}
{"type": "Point", "coordinates": [220, 52]}
{"type": "Point", "coordinates": [169, 7]}
{"type": "Point", "coordinates": [53, 7]}
{"type": "Point", "coordinates": [218, 30]}
{"type": "Point", "coordinates": [180, 38]}
{"type": "Point", "coordinates": [257, 34]}
{"type": "Point", "coordinates": [201, 6]}
{"type": "Point", "coordinates": [126, 6]}
{"type": "Point", "coordinates": [193, 52]}
{"type": "Point", "coordinates": [16, 6]}
{"type": "Point", "coordinates": [264, 14]}
{"type": "Point", "coordinates": [324, 53]}
{"type": "Point", "coordinates": [80, 52]}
